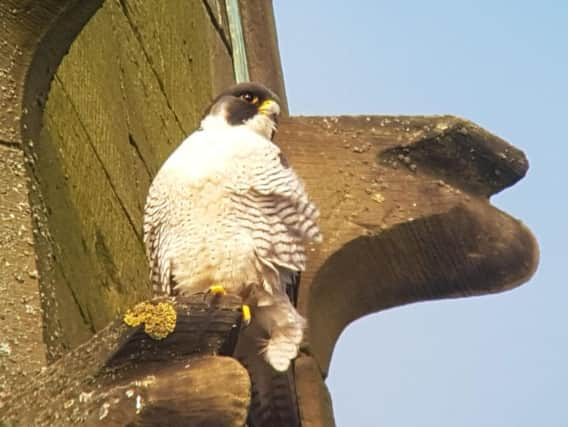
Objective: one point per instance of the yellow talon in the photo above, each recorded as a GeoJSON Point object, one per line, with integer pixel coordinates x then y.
{"type": "Point", "coordinates": [217, 290]}
{"type": "Point", "coordinates": [246, 314]}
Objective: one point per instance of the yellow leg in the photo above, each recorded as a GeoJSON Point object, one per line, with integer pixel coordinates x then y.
{"type": "Point", "coordinates": [217, 290]}
{"type": "Point", "coordinates": [246, 314]}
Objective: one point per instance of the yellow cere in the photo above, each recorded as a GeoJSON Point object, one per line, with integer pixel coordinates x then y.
{"type": "Point", "coordinates": [265, 105]}
{"type": "Point", "coordinates": [159, 320]}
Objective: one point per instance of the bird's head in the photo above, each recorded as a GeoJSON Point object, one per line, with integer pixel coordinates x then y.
{"type": "Point", "coordinates": [245, 104]}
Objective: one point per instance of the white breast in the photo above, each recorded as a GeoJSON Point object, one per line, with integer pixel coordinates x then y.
{"type": "Point", "coordinates": [204, 242]}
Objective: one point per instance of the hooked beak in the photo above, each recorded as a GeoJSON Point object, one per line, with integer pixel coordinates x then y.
{"type": "Point", "coordinates": [269, 108]}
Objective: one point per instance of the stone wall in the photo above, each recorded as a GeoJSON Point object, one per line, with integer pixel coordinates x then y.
{"type": "Point", "coordinates": [133, 84]}
{"type": "Point", "coordinates": [22, 352]}
{"type": "Point", "coordinates": [100, 94]}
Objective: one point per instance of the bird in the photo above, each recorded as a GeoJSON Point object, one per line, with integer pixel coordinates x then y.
{"type": "Point", "coordinates": [226, 213]}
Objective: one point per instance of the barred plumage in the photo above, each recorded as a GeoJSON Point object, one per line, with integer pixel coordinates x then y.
{"type": "Point", "coordinates": [226, 209]}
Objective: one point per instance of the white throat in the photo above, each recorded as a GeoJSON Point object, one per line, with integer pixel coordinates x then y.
{"type": "Point", "coordinates": [260, 124]}
{"type": "Point", "coordinates": [214, 121]}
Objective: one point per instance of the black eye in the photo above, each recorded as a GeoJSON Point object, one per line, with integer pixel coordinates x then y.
{"type": "Point", "coordinates": [249, 97]}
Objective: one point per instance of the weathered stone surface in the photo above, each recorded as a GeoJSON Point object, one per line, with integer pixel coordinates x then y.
{"type": "Point", "coordinates": [313, 396]}
{"type": "Point", "coordinates": [220, 53]}
{"type": "Point", "coordinates": [403, 199]}
{"type": "Point", "coordinates": [119, 376]}
{"type": "Point", "coordinates": [218, 13]}
{"type": "Point", "coordinates": [401, 222]}
{"type": "Point", "coordinates": [134, 83]}
{"type": "Point", "coordinates": [22, 352]}
{"type": "Point", "coordinates": [35, 35]}
{"type": "Point", "coordinates": [203, 391]}
{"type": "Point", "coordinates": [261, 42]}
{"type": "Point", "coordinates": [25, 39]}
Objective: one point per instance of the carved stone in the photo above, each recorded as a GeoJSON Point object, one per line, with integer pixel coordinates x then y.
{"type": "Point", "coordinates": [122, 376]}
{"type": "Point", "coordinates": [405, 217]}
{"type": "Point", "coordinates": [404, 202]}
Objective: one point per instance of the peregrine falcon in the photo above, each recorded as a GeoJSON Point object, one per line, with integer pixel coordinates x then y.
{"type": "Point", "coordinates": [226, 213]}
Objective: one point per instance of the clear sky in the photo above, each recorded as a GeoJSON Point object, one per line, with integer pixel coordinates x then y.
{"type": "Point", "coordinates": [498, 360]}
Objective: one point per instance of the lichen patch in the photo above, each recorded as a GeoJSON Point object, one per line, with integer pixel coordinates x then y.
{"type": "Point", "coordinates": [159, 320]}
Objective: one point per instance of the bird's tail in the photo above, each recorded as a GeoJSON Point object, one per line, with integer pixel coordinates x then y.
{"type": "Point", "coordinates": [273, 401]}
{"type": "Point", "coordinates": [267, 347]}
{"type": "Point", "coordinates": [285, 328]}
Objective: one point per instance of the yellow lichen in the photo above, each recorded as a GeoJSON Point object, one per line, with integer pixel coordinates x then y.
{"type": "Point", "coordinates": [159, 320]}
{"type": "Point", "coordinates": [136, 315]}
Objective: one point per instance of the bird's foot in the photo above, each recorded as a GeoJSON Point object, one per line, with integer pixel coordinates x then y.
{"type": "Point", "coordinates": [213, 293]}
{"type": "Point", "coordinates": [216, 290]}
{"type": "Point", "coordinates": [246, 314]}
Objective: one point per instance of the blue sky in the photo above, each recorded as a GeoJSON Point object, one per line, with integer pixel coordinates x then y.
{"type": "Point", "coordinates": [498, 360]}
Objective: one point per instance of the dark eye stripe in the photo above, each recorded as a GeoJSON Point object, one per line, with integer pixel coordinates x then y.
{"type": "Point", "coordinates": [238, 112]}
